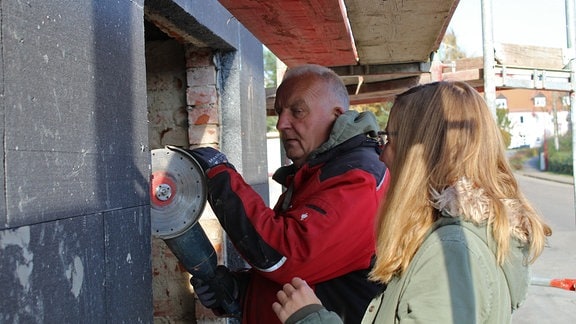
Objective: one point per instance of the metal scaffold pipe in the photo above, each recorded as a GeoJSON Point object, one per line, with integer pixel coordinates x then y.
{"type": "Point", "coordinates": [488, 49]}
{"type": "Point", "coordinates": [571, 41]}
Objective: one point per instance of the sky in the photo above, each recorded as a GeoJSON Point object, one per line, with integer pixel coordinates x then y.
{"type": "Point", "coordinates": [525, 22]}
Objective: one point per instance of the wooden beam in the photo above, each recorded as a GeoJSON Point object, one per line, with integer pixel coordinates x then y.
{"type": "Point", "coordinates": [382, 91]}
{"type": "Point", "coordinates": [298, 32]}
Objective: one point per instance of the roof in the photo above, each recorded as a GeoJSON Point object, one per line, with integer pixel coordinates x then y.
{"type": "Point", "coordinates": [379, 47]}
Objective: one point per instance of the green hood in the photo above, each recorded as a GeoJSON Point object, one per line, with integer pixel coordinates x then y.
{"type": "Point", "coordinates": [349, 124]}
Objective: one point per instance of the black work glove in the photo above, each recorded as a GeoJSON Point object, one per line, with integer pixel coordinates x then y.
{"type": "Point", "coordinates": [204, 292]}
{"type": "Point", "coordinates": [219, 293]}
{"type": "Point", "coordinates": [208, 157]}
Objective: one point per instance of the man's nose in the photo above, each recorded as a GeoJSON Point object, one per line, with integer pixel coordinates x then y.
{"type": "Point", "coordinates": [283, 122]}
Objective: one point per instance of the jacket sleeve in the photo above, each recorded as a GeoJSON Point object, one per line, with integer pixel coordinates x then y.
{"type": "Point", "coordinates": [327, 232]}
{"type": "Point", "coordinates": [314, 314]}
{"type": "Point", "coordinates": [232, 199]}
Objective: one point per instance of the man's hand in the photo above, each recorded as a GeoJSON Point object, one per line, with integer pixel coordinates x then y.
{"type": "Point", "coordinates": [204, 292]}
{"type": "Point", "coordinates": [293, 297]}
{"type": "Point", "coordinates": [220, 293]}
{"type": "Point", "coordinates": [208, 157]}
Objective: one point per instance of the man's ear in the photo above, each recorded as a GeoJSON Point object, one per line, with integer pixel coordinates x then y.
{"type": "Point", "coordinates": [338, 111]}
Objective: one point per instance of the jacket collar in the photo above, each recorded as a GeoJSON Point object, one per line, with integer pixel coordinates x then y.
{"type": "Point", "coordinates": [345, 134]}
{"type": "Point", "coordinates": [469, 204]}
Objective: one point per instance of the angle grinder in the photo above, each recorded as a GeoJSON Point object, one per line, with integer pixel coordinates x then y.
{"type": "Point", "coordinates": [177, 198]}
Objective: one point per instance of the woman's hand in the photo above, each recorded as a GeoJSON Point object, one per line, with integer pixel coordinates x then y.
{"type": "Point", "coordinates": [292, 297]}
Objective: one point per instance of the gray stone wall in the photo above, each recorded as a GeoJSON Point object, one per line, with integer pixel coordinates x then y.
{"type": "Point", "coordinates": [75, 243]}
{"type": "Point", "coordinates": [74, 204]}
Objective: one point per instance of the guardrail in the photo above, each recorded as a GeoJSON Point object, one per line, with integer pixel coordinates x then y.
{"type": "Point", "coordinates": [531, 78]}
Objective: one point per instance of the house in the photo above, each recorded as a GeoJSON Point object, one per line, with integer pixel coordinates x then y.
{"type": "Point", "coordinates": [532, 83]}
{"type": "Point", "coordinates": [534, 115]}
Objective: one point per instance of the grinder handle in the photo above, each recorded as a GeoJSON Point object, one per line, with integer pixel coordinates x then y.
{"type": "Point", "coordinates": [195, 252]}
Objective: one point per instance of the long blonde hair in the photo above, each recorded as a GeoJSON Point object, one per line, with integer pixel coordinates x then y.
{"type": "Point", "coordinates": [443, 132]}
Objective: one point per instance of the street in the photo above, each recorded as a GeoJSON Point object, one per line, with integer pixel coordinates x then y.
{"type": "Point", "coordinates": [547, 304]}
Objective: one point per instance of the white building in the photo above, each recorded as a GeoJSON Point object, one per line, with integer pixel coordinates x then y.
{"type": "Point", "coordinates": [532, 115]}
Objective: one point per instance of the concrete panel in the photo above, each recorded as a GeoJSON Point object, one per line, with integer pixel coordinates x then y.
{"type": "Point", "coordinates": [128, 266]}
{"type": "Point", "coordinates": [253, 103]}
{"type": "Point", "coordinates": [78, 270]}
{"type": "Point", "coordinates": [2, 130]}
{"type": "Point", "coordinates": [43, 185]}
{"type": "Point", "coordinates": [74, 99]}
{"type": "Point", "coordinates": [203, 23]}
{"type": "Point", "coordinates": [74, 223]}
{"type": "Point", "coordinates": [244, 110]}
{"type": "Point", "coordinates": [53, 272]}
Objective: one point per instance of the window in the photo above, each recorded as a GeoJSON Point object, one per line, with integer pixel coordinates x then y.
{"type": "Point", "coordinates": [501, 102]}
{"type": "Point", "coordinates": [539, 100]}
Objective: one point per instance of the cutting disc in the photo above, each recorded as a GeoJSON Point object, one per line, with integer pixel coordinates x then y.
{"type": "Point", "coordinates": [177, 192]}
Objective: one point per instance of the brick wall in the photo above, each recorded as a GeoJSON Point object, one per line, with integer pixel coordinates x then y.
{"type": "Point", "coordinates": [184, 111]}
{"type": "Point", "coordinates": [201, 97]}
{"type": "Point", "coordinates": [204, 125]}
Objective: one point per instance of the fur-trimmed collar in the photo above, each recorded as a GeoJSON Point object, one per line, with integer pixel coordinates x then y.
{"type": "Point", "coordinates": [469, 203]}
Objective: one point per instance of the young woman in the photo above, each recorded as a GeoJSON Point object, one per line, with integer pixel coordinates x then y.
{"type": "Point", "coordinates": [455, 235]}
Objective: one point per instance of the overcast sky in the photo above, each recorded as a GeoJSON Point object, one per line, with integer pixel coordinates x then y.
{"type": "Point", "coordinates": [528, 22]}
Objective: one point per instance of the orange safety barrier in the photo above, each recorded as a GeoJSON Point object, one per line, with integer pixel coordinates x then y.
{"type": "Point", "coordinates": [567, 284]}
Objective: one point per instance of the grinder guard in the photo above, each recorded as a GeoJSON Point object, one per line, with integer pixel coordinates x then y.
{"type": "Point", "coordinates": [178, 197]}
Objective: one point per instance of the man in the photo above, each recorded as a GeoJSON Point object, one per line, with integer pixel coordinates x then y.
{"type": "Point", "coordinates": [322, 227]}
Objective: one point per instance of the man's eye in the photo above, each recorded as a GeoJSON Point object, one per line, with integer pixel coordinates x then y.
{"type": "Point", "coordinates": [298, 112]}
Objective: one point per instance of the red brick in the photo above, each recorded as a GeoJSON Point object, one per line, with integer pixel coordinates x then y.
{"type": "Point", "coordinates": [203, 134]}
{"type": "Point", "coordinates": [203, 95]}
{"type": "Point", "coordinates": [201, 76]}
{"type": "Point", "coordinates": [202, 115]}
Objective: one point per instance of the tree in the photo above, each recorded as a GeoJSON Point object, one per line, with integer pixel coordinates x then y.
{"type": "Point", "coordinates": [270, 82]}
{"type": "Point", "coordinates": [449, 49]}
{"type": "Point", "coordinates": [269, 68]}
{"type": "Point", "coordinates": [505, 125]}
{"type": "Point", "coordinates": [380, 109]}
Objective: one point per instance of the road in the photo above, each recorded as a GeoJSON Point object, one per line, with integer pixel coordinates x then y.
{"type": "Point", "coordinates": [546, 304]}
